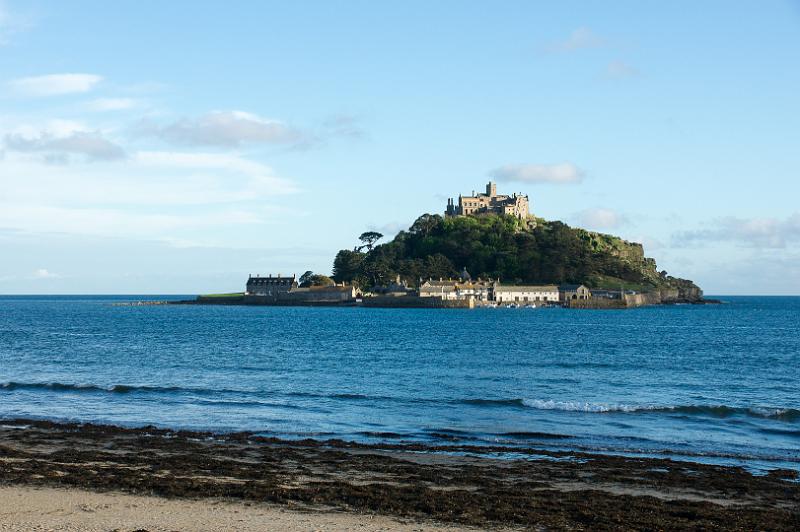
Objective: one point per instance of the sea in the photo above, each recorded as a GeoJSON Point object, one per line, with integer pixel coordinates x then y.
{"type": "Point", "coordinates": [704, 383]}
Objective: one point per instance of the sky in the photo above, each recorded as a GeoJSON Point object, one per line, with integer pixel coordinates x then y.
{"type": "Point", "coordinates": [176, 147]}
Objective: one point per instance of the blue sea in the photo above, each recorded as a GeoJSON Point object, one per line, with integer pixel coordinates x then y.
{"type": "Point", "coordinates": [716, 383]}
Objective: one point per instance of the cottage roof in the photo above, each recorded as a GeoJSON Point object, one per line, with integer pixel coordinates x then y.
{"type": "Point", "coordinates": [329, 288]}
{"type": "Point", "coordinates": [570, 287]}
{"type": "Point", "coordinates": [270, 279]}
{"type": "Point", "coordinates": [527, 288]}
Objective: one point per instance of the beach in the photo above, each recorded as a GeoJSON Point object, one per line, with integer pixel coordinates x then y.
{"type": "Point", "coordinates": [27, 508]}
{"type": "Point", "coordinates": [83, 476]}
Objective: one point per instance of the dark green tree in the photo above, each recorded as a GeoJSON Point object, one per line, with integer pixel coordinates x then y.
{"type": "Point", "coordinates": [314, 279]}
{"type": "Point", "coordinates": [368, 240]}
{"type": "Point", "coordinates": [346, 265]}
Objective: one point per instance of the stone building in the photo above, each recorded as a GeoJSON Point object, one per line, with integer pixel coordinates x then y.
{"type": "Point", "coordinates": [457, 289]}
{"type": "Point", "coordinates": [278, 290]}
{"type": "Point", "coordinates": [526, 294]}
{"type": "Point", "coordinates": [321, 295]}
{"type": "Point", "coordinates": [271, 287]}
{"type": "Point", "coordinates": [491, 202]}
{"type": "Point", "coordinates": [573, 291]}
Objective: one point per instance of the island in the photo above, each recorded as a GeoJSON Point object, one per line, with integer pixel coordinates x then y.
{"type": "Point", "coordinates": [487, 250]}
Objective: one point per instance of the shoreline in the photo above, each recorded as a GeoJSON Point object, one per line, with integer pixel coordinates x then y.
{"type": "Point", "coordinates": [457, 485]}
{"type": "Point", "coordinates": [397, 303]}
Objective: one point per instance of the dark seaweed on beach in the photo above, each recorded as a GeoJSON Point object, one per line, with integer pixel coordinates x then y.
{"type": "Point", "coordinates": [456, 484]}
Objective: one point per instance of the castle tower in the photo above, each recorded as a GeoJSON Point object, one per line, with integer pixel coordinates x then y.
{"type": "Point", "coordinates": [491, 189]}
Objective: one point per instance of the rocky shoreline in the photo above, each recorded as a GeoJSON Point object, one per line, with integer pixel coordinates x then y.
{"type": "Point", "coordinates": [490, 487]}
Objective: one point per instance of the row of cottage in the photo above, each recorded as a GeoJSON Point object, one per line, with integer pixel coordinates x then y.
{"type": "Point", "coordinates": [493, 291]}
{"type": "Point", "coordinates": [285, 290]}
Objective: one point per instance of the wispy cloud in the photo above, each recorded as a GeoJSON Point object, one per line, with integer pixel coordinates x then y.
{"type": "Point", "coordinates": [579, 38]}
{"type": "Point", "coordinates": [227, 129]}
{"type": "Point", "coordinates": [600, 219]}
{"type": "Point", "coordinates": [343, 126]}
{"type": "Point", "coordinates": [54, 84]}
{"type": "Point", "coordinates": [57, 148]}
{"type": "Point", "coordinates": [752, 232]}
{"type": "Point", "coordinates": [11, 23]}
{"type": "Point", "coordinates": [562, 173]}
{"type": "Point", "coordinates": [621, 70]}
{"type": "Point", "coordinates": [111, 104]}
{"type": "Point", "coordinates": [44, 273]}
{"type": "Point", "coordinates": [156, 195]}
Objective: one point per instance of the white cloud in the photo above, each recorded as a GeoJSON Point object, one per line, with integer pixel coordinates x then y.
{"type": "Point", "coordinates": [111, 104]}
{"type": "Point", "coordinates": [43, 273]}
{"type": "Point", "coordinates": [55, 84]}
{"type": "Point", "coordinates": [152, 195]}
{"type": "Point", "coordinates": [228, 129]}
{"type": "Point", "coordinates": [580, 38]}
{"type": "Point", "coordinates": [57, 148]}
{"type": "Point", "coordinates": [389, 230]}
{"type": "Point", "coordinates": [649, 243]}
{"type": "Point", "coordinates": [753, 232]}
{"type": "Point", "coordinates": [11, 23]}
{"type": "Point", "coordinates": [563, 173]}
{"type": "Point", "coordinates": [621, 70]}
{"type": "Point", "coordinates": [600, 219]}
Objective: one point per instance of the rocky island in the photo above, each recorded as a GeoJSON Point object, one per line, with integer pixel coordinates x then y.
{"type": "Point", "coordinates": [486, 250]}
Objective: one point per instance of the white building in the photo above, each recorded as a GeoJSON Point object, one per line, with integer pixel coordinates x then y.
{"type": "Point", "coordinates": [526, 294]}
{"type": "Point", "coordinates": [452, 290]}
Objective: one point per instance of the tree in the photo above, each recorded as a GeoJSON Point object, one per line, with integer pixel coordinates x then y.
{"type": "Point", "coordinates": [425, 224]}
{"type": "Point", "coordinates": [369, 238]}
{"type": "Point", "coordinates": [346, 265]}
{"type": "Point", "coordinates": [305, 279]}
{"type": "Point", "coordinates": [377, 271]}
{"type": "Point", "coordinates": [314, 279]}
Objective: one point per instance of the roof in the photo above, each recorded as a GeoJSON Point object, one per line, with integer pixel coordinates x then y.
{"type": "Point", "coordinates": [329, 288]}
{"type": "Point", "coordinates": [527, 288]}
{"type": "Point", "coordinates": [271, 279]}
{"type": "Point", "coordinates": [455, 283]}
{"type": "Point", "coordinates": [570, 287]}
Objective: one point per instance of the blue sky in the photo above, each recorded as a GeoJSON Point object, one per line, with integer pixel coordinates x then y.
{"type": "Point", "coordinates": [175, 147]}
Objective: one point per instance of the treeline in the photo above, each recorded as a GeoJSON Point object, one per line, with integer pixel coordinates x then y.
{"type": "Point", "coordinates": [489, 246]}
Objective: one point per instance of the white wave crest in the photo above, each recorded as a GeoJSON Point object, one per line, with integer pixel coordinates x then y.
{"type": "Point", "coordinates": [577, 406]}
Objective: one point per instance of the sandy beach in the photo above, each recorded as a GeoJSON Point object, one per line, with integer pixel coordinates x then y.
{"type": "Point", "coordinates": [78, 477]}
{"type": "Point", "coordinates": [38, 508]}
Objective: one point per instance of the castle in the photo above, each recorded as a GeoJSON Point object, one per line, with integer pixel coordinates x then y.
{"type": "Point", "coordinates": [514, 205]}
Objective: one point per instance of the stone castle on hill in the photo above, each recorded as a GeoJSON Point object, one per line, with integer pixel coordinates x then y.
{"type": "Point", "coordinates": [515, 205]}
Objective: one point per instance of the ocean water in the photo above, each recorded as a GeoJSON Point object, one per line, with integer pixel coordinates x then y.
{"type": "Point", "coordinates": [717, 383]}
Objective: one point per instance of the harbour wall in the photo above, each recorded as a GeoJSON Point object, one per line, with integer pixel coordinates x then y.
{"type": "Point", "coordinates": [415, 302]}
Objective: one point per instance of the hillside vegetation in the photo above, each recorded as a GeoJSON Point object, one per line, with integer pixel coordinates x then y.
{"type": "Point", "coordinates": [505, 248]}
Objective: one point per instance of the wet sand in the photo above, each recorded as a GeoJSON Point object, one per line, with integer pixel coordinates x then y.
{"type": "Point", "coordinates": [388, 486]}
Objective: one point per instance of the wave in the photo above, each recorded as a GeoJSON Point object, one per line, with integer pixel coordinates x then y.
{"type": "Point", "coordinates": [721, 411]}
{"type": "Point", "coordinates": [493, 402]}
{"type": "Point", "coordinates": [116, 388]}
{"type": "Point", "coordinates": [717, 411]}
{"type": "Point", "coordinates": [782, 414]}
